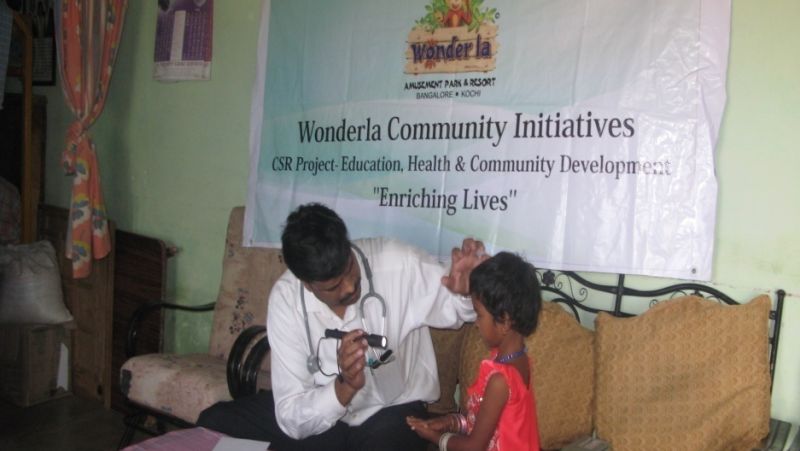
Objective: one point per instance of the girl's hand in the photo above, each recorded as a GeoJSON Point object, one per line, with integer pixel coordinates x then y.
{"type": "Point", "coordinates": [430, 430]}
{"type": "Point", "coordinates": [438, 424]}
{"type": "Point", "coordinates": [433, 428]}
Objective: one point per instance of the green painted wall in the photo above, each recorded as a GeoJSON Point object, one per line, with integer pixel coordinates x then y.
{"type": "Point", "coordinates": [758, 214]}
{"type": "Point", "coordinates": [174, 160]}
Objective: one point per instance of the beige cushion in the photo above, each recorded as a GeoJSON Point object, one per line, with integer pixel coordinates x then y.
{"type": "Point", "coordinates": [179, 385]}
{"type": "Point", "coordinates": [687, 374]}
{"type": "Point", "coordinates": [447, 345]}
{"type": "Point", "coordinates": [473, 350]}
{"type": "Point", "coordinates": [248, 274]}
{"type": "Point", "coordinates": [562, 356]}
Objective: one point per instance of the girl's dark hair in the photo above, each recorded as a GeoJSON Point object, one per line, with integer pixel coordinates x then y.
{"type": "Point", "coordinates": [507, 284]}
{"type": "Point", "coordinates": [315, 243]}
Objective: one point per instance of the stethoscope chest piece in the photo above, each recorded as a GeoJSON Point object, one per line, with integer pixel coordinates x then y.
{"type": "Point", "coordinates": [312, 364]}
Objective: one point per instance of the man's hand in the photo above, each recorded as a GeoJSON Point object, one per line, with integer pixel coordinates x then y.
{"type": "Point", "coordinates": [464, 260]}
{"type": "Point", "coordinates": [350, 359]}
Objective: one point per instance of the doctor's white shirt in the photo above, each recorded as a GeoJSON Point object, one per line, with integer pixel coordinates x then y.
{"type": "Point", "coordinates": [409, 280]}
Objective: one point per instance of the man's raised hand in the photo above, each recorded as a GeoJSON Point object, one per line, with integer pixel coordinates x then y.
{"type": "Point", "coordinates": [464, 260]}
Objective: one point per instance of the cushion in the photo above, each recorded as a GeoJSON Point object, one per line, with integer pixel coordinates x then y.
{"type": "Point", "coordinates": [248, 274]}
{"type": "Point", "coordinates": [687, 374]}
{"type": "Point", "coordinates": [179, 385]}
{"type": "Point", "coordinates": [562, 357]}
{"type": "Point", "coordinates": [30, 285]}
{"type": "Point", "coordinates": [447, 346]}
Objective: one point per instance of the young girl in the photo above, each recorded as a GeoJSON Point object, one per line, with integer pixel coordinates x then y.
{"type": "Point", "coordinates": [501, 410]}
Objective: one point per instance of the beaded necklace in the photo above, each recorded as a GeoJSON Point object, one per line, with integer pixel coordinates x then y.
{"type": "Point", "coordinates": [509, 357]}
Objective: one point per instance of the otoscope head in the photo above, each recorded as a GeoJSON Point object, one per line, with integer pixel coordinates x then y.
{"type": "Point", "coordinates": [376, 341]}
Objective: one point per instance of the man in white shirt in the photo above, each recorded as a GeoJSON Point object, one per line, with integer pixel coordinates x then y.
{"type": "Point", "coordinates": [342, 393]}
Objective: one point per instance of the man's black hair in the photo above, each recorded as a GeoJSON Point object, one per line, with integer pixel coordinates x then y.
{"type": "Point", "coordinates": [506, 284]}
{"type": "Point", "coordinates": [315, 243]}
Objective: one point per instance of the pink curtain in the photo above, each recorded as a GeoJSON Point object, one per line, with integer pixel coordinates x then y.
{"type": "Point", "coordinates": [88, 34]}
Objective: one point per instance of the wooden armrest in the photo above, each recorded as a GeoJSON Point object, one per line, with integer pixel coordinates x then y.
{"type": "Point", "coordinates": [141, 313]}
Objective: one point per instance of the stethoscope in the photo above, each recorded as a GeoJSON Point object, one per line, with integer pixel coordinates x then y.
{"type": "Point", "coordinates": [312, 363]}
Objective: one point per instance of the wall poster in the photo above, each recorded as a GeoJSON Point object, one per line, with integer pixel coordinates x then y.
{"type": "Point", "coordinates": [184, 35]}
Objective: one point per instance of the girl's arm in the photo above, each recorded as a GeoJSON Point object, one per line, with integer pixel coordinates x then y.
{"type": "Point", "coordinates": [494, 399]}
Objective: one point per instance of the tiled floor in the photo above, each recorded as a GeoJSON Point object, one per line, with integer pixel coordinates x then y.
{"type": "Point", "coordinates": [68, 423]}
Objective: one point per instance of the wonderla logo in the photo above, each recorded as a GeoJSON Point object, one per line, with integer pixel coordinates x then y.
{"type": "Point", "coordinates": [454, 36]}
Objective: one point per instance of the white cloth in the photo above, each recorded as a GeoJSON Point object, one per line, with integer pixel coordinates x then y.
{"type": "Point", "coordinates": [410, 282]}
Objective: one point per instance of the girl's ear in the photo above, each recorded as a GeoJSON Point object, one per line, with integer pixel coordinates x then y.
{"type": "Point", "coordinates": [505, 323]}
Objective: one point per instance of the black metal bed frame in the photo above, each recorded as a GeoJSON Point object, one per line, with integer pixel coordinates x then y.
{"type": "Point", "coordinates": [573, 291]}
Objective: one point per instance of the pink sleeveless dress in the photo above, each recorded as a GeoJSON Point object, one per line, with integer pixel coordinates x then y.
{"type": "Point", "coordinates": [517, 429]}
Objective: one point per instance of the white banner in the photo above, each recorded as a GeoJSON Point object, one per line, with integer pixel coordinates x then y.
{"type": "Point", "coordinates": [580, 134]}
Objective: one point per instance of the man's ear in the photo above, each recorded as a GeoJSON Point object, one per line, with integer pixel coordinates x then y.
{"type": "Point", "coordinates": [307, 286]}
